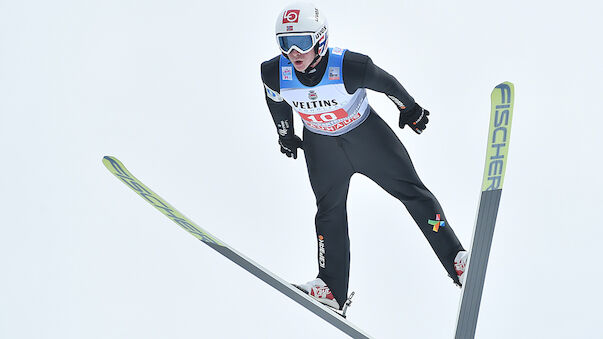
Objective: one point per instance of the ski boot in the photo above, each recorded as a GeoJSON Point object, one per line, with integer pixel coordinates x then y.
{"type": "Point", "coordinates": [460, 265]}
{"type": "Point", "coordinates": [318, 290]}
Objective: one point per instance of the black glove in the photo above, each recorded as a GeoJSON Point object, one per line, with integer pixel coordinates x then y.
{"type": "Point", "coordinates": [289, 145]}
{"type": "Point", "coordinates": [415, 117]}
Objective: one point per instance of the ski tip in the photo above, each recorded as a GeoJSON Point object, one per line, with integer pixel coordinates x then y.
{"type": "Point", "coordinates": [107, 159]}
{"type": "Point", "coordinates": [112, 163]}
{"type": "Point", "coordinates": [505, 84]}
{"type": "Point", "coordinates": [503, 93]}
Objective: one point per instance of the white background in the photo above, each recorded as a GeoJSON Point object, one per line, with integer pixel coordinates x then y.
{"type": "Point", "coordinates": [173, 89]}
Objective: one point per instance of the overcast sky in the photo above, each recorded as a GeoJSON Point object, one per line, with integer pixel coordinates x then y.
{"type": "Point", "coordinates": [173, 89]}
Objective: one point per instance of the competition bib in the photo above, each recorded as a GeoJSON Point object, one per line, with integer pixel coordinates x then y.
{"type": "Point", "coordinates": [326, 108]}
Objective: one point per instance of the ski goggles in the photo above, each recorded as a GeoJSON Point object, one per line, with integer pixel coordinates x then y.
{"type": "Point", "coordinates": [301, 42]}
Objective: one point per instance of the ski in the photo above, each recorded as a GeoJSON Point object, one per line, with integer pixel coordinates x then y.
{"type": "Point", "coordinates": [499, 134]}
{"type": "Point", "coordinates": [333, 318]}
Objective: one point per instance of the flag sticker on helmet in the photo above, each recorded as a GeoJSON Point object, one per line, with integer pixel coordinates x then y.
{"type": "Point", "coordinates": [291, 16]}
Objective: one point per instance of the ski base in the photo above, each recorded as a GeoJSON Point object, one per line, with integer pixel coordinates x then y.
{"type": "Point", "coordinates": [330, 316]}
{"type": "Point", "coordinates": [501, 114]}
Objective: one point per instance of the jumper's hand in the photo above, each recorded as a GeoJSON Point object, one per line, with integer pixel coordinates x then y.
{"type": "Point", "coordinates": [289, 145]}
{"type": "Point", "coordinates": [415, 117]}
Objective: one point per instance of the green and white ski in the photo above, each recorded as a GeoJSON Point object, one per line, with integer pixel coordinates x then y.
{"type": "Point", "coordinates": [120, 171]}
{"type": "Point", "coordinates": [499, 134]}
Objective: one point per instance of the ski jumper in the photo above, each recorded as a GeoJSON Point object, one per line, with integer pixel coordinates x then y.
{"type": "Point", "coordinates": [342, 136]}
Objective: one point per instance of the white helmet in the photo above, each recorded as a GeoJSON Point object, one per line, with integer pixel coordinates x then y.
{"type": "Point", "coordinates": [301, 27]}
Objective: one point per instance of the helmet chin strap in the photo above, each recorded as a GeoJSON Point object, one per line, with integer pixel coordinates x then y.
{"type": "Point", "coordinates": [316, 57]}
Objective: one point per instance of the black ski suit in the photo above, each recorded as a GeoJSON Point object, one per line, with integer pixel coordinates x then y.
{"type": "Point", "coordinates": [372, 149]}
